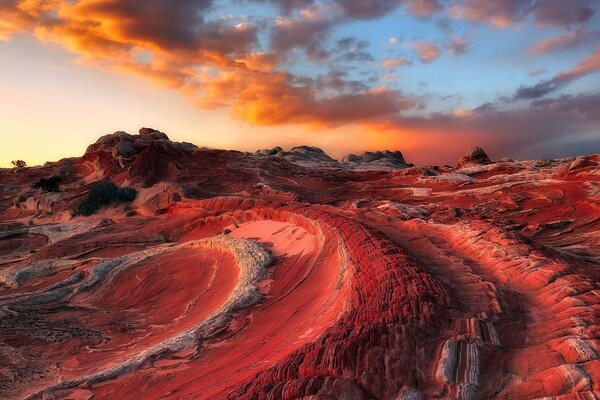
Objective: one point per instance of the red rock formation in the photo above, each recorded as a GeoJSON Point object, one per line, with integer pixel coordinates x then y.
{"type": "Point", "coordinates": [473, 157]}
{"type": "Point", "coordinates": [251, 276]}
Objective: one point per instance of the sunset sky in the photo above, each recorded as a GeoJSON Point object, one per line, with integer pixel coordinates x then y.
{"type": "Point", "coordinates": [428, 77]}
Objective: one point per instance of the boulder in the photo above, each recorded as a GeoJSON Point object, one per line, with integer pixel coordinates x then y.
{"type": "Point", "coordinates": [158, 198]}
{"type": "Point", "coordinates": [473, 157]}
{"type": "Point", "coordinates": [153, 134]}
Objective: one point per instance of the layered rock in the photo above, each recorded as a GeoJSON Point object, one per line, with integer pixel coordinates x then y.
{"type": "Point", "coordinates": [286, 275]}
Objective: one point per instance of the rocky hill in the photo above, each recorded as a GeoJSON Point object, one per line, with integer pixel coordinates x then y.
{"type": "Point", "coordinates": [287, 274]}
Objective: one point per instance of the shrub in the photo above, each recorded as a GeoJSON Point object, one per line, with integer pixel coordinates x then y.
{"type": "Point", "coordinates": [126, 194]}
{"type": "Point", "coordinates": [18, 163]}
{"type": "Point", "coordinates": [48, 184]}
{"type": "Point", "coordinates": [103, 194]}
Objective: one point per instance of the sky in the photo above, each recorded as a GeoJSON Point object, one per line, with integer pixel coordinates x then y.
{"type": "Point", "coordinates": [431, 78]}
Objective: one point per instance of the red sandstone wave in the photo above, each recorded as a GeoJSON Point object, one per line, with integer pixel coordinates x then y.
{"type": "Point", "coordinates": [249, 277]}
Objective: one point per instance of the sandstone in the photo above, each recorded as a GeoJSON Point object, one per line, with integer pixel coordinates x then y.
{"type": "Point", "coordinates": [376, 159]}
{"type": "Point", "coordinates": [158, 198]}
{"type": "Point", "coordinates": [291, 275]}
{"type": "Point", "coordinates": [473, 157]}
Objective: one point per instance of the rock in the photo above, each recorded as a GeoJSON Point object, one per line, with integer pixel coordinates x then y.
{"type": "Point", "coordinates": [158, 198]}
{"type": "Point", "coordinates": [302, 155]}
{"type": "Point", "coordinates": [580, 162]}
{"type": "Point", "coordinates": [269, 152]}
{"type": "Point", "coordinates": [376, 159]}
{"type": "Point", "coordinates": [306, 154]}
{"type": "Point", "coordinates": [505, 160]}
{"type": "Point", "coordinates": [387, 282]}
{"type": "Point", "coordinates": [38, 203]}
{"type": "Point", "coordinates": [473, 157]}
{"type": "Point", "coordinates": [153, 134]}
{"type": "Point", "coordinates": [125, 149]}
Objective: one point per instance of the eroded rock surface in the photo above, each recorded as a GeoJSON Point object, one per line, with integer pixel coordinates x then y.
{"type": "Point", "coordinates": [290, 275]}
{"type": "Point", "coordinates": [473, 157]}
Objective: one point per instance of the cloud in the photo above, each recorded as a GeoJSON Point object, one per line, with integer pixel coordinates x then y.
{"type": "Point", "coordinates": [393, 63]}
{"type": "Point", "coordinates": [589, 65]}
{"type": "Point", "coordinates": [366, 9]}
{"type": "Point", "coordinates": [457, 46]}
{"type": "Point", "coordinates": [499, 13]}
{"type": "Point", "coordinates": [215, 63]}
{"type": "Point", "coordinates": [545, 129]}
{"type": "Point", "coordinates": [538, 71]}
{"type": "Point", "coordinates": [563, 13]}
{"type": "Point", "coordinates": [241, 64]}
{"type": "Point", "coordinates": [427, 52]}
{"type": "Point", "coordinates": [424, 7]}
{"type": "Point", "coordinates": [567, 41]}
{"type": "Point", "coordinates": [502, 13]}
{"type": "Point", "coordinates": [307, 33]}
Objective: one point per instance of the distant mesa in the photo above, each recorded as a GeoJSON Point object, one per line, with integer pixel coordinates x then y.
{"type": "Point", "coordinates": [315, 157]}
{"type": "Point", "coordinates": [303, 155]}
{"type": "Point", "coordinates": [473, 157]}
{"type": "Point", "coordinates": [384, 159]}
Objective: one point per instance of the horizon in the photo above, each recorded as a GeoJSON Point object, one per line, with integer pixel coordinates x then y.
{"type": "Point", "coordinates": [335, 155]}
{"type": "Point", "coordinates": [431, 78]}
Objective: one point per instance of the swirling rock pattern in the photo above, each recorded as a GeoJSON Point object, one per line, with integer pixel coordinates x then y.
{"type": "Point", "coordinates": [252, 276]}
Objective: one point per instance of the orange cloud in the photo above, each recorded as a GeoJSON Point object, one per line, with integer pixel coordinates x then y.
{"type": "Point", "coordinates": [393, 63]}
{"type": "Point", "coordinates": [217, 63]}
{"type": "Point", "coordinates": [220, 64]}
{"type": "Point", "coordinates": [427, 51]}
{"type": "Point", "coordinates": [568, 40]}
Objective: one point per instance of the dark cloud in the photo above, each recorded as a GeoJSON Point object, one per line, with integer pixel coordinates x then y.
{"type": "Point", "coordinates": [584, 106]}
{"type": "Point", "coordinates": [589, 65]}
{"type": "Point", "coordinates": [563, 12]}
{"type": "Point", "coordinates": [308, 34]}
{"type": "Point", "coordinates": [176, 23]}
{"type": "Point", "coordinates": [457, 46]}
{"type": "Point", "coordinates": [366, 9]}
{"type": "Point", "coordinates": [538, 90]}
{"type": "Point", "coordinates": [544, 129]}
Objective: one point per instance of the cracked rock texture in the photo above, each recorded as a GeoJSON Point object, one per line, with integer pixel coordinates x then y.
{"type": "Point", "coordinates": [287, 274]}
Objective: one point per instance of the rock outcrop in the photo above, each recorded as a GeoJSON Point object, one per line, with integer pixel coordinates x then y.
{"type": "Point", "coordinates": [302, 155]}
{"type": "Point", "coordinates": [376, 160]}
{"type": "Point", "coordinates": [473, 157]}
{"type": "Point", "coordinates": [158, 198]}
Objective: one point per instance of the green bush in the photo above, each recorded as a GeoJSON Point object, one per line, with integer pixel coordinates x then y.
{"type": "Point", "coordinates": [103, 194]}
{"type": "Point", "coordinates": [48, 184]}
{"type": "Point", "coordinates": [126, 194]}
